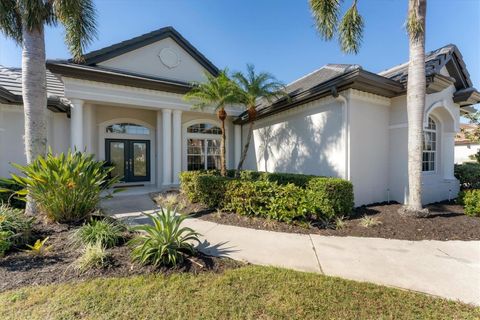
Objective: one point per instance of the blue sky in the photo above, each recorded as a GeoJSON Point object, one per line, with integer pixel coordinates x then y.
{"type": "Point", "coordinates": [277, 35]}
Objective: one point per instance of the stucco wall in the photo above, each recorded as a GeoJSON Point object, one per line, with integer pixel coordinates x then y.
{"type": "Point", "coordinates": [146, 60]}
{"type": "Point", "coordinates": [438, 185]}
{"type": "Point", "coordinates": [369, 145]}
{"type": "Point", "coordinates": [12, 123]}
{"type": "Point", "coordinates": [306, 140]}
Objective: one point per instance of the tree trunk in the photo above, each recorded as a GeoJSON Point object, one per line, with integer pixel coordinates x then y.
{"type": "Point", "coordinates": [222, 115]}
{"type": "Point", "coordinates": [416, 91]}
{"type": "Point", "coordinates": [34, 97]}
{"type": "Point", "coordinates": [252, 114]}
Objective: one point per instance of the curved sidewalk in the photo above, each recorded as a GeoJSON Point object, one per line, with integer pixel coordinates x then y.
{"type": "Point", "coordinates": [449, 269]}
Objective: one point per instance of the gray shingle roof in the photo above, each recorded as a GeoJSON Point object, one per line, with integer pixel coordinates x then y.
{"type": "Point", "coordinates": [448, 56]}
{"type": "Point", "coordinates": [11, 80]}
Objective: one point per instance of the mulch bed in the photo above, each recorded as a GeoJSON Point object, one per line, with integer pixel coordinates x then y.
{"type": "Point", "coordinates": [446, 221]}
{"type": "Point", "coordinates": [18, 269]}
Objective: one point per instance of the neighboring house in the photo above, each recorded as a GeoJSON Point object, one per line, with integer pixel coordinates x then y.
{"type": "Point", "coordinates": [125, 104]}
{"type": "Point", "coordinates": [465, 148]}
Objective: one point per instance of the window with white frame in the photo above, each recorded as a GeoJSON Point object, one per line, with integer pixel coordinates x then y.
{"type": "Point", "coordinates": [127, 128]}
{"type": "Point", "coordinates": [203, 146]}
{"type": "Point", "coordinates": [429, 146]}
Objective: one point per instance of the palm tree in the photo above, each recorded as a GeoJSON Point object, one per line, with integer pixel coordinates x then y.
{"type": "Point", "coordinates": [215, 93]}
{"type": "Point", "coordinates": [24, 21]}
{"type": "Point", "coordinates": [253, 87]}
{"type": "Point", "coordinates": [350, 31]}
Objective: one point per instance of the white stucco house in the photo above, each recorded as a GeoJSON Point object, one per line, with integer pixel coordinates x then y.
{"type": "Point", "coordinates": [125, 104]}
{"type": "Point", "coordinates": [465, 148]}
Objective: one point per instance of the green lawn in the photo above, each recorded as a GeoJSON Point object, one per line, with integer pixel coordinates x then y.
{"type": "Point", "coordinates": [250, 292]}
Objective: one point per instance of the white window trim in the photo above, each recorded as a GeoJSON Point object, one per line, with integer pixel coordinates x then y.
{"type": "Point", "coordinates": [186, 135]}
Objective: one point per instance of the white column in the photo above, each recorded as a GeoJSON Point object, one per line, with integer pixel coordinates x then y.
{"type": "Point", "coordinates": [89, 128]}
{"type": "Point", "coordinates": [159, 152]}
{"type": "Point", "coordinates": [177, 145]}
{"type": "Point", "coordinates": [76, 125]}
{"type": "Point", "coordinates": [448, 151]}
{"type": "Point", "coordinates": [238, 144]}
{"type": "Point", "coordinates": [167, 146]}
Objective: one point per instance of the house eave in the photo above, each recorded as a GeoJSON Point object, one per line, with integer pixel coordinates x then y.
{"type": "Point", "coordinates": [357, 79]}
{"type": "Point", "coordinates": [116, 77]}
{"type": "Point", "coordinates": [466, 97]}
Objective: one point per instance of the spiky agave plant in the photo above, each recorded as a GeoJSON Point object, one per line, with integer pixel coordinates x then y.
{"type": "Point", "coordinates": [163, 242]}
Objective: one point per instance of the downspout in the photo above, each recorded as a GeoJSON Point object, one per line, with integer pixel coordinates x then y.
{"type": "Point", "coordinates": [346, 130]}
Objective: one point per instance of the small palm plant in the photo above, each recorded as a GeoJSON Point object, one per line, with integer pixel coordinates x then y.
{"type": "Point", "coordinates": [164, 242]}
{"type": "Point", "coordinates": [252, 87]}
{"type": "Point", "coordinates": [217, 92]}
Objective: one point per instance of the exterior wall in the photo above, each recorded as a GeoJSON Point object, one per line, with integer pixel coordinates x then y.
{"type": "Point", "coordinates": [440, 184]}
{"type": "Point", "coordinates": [464, 151]}
{"type": "Point", "coordinates": [12, 132]}
{"type": "Point", "coordinates": [369, 146]}
{"type": "Point", "coordinates": [146, 61]}
{"type": "Point", "coordinates": [307, 139]}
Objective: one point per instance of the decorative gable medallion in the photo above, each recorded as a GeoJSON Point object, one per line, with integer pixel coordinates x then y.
{"type": "Point", "coordinates": [169, 58]}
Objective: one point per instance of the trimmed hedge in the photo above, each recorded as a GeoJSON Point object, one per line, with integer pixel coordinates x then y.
{"type": "Point", "coordinates": [284, 197]}
{"type": "Point", "coordinates": [468, 174]}
{"type": "Point", "coordinates": [471, 201]}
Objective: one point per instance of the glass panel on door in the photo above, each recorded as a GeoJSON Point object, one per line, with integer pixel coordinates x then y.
{"type": "Point", "coordinates": [117, 158]}
{"type": "Point", "coordinates": [139, 159]}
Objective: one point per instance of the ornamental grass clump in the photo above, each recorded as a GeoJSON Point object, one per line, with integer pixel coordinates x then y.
{"type": "Point", "coordinates": [106, 231]}
{"type": "Point", "coordinates": [15, 228]}
{"type": "Point", "coordinates": [94, 256]}
{"type": "Point", "coordinates": [66, 187]}
{"type": "Point", "coordinates": [163, 242]}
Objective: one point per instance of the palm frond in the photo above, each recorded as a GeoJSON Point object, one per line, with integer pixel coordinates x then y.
{"type": "Point", "coordinates": [78, 18]}
{"type": "Point", "coordinates": [10, 20]}
{"type": "Point", "coordinates": [351, 30]}
{"type": "Point", "coordinates": [325, 13]}
{"type": "Point", "coordinates": [216, 92]}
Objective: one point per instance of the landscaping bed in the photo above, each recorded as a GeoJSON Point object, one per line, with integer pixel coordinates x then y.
{"type": "Point", "coordinates": [20, 268]}
{"type": "Point", "coordinates": [447, 221]}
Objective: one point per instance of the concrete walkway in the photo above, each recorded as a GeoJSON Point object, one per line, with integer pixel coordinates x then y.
{"type": "Point", "coordinates": [449, 269]}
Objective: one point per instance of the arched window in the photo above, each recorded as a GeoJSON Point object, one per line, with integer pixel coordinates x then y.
{"type": "Point", "coordinates": [429, 146]}
{"type": "Point", "coordinates": [203, 146]}
{"type": "Point", "coordinates": [128, 128]}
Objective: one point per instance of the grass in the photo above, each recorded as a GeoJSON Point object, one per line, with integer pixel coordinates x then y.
{"type": "Point", "coordinates": [250, 292]}
{"type": "Point", "coordinates": [368, 222]}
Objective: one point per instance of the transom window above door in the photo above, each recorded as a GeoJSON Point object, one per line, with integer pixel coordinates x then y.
{"type": "Point", "coordinates": [204, 128]}
{"type": "Point", "coordinates": [127, 128]}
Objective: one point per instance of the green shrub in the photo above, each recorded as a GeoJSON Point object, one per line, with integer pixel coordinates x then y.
{"type": "Point", "coordinates": [280, 196]}
{"type": "Point", "coordinates": [330, 197]}
{"type": "Point", "coordinates": [300, 180]}
{"type": "Point", "coordinates": [67, 187]}
{"type": "Point", "coordinates": [267, 199]}
{"type": "Point", "coordinates": [468, 174]}
{"type": "Point", "coordinates": [107, 232]}
{"type": "Point", "coordinates": [165, 241]}
{"type": "Point", "coordinates": [471, 201]}
{"type": "Point", "coordinates": [8, 196]}
{"type": "Point", "coordinates": [210, 190]}
{"type": "Point", "coordinates": [15, 226]}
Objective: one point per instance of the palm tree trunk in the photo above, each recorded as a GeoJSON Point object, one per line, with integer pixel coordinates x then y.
{"type": "Point", "coordinates": [34, 97]}
{"type": "Point", "coordinates": [252, 115]}
{"type": "Point", "coordinates": [245, 149]}
{"type": "Point", "coordinates": [416, 91]}
{"type": "Point", "coordinates": [222, 115]}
